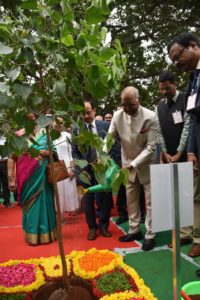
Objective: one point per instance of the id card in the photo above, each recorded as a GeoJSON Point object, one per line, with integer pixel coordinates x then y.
{"type": "Point", "coordinates": [191, 102]}
{"type": "Point", "coordinates": [177, 117]}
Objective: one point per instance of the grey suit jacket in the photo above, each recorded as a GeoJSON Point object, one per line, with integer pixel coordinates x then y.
{"type": "Point", "coordinates": [138, 137]}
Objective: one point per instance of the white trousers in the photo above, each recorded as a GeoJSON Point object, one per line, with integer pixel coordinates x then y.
{"type": "Point", "coordinates": [133, 198]}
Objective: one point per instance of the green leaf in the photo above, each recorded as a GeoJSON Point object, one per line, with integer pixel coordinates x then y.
{"type": "Point", "coordinates": [5, 101]}
{"type": "Point", "coordinates": [118, 46]}
{"type": "Point", "coordinates": [13, 74]}
{"type": "Point", "coordinates": [44, 121]}
{"type": "Point", "coordinates": [81, 41]}
{"type": "Point", "coordinates": [104, 158]}
{"type": "Point", "coordinates": [104, 32]}
{"type": "Point", "coordinates": [76, 85]}
{"type": "Point", "coordinates": [34, 152]}
{"type": "Point", "coordinates": [37, 100]}
{"type": "Point", "coordinates": [119, 178]}
{"type": "Point", "coordinates": [94, 15]}
{"type": "Point", "coordinates": [18, 142]}
{"type": "Point", "coordinates": [54, 134]}
{"type": "Point", "coordinates": [5, 49]}
{"type": "Point", "coordinates": [67, 40]}
{"type": "Point", "coordinates": [67, 10]}
{"type": "Point", "coordinates": [60, 88]}
{"type": "Point", "coordinates": [99, 172]}
{"type": "Point", "coordinates": [97, 89]}
{"type": "Point", "coordinates": [29, 4]}
{"type": "Point", "coordinates": [22, 90]}
{"type": "Point", "coordinates": [56, 16]}
{"type": "Point", "coordinates": [107, 53]}
{"type": "Point", "coordinates": [33, 141]}
{"type": "Point", "coordinates": [76, 107]}
{"type": "Point", "coordinates": [109, 141]}
{"type": "Point", "coordinates": [105, 7]}
{"type": "Point", "coordinates": [81, 163]}
{"type": "Point", "coordinates": [84, 176]}
{"type": "Point", "coordinates": [53, 2]}
{"type": "Point", "coordinates": [29, 126]}
{"type": "Point", "coordinates": [4, 87]}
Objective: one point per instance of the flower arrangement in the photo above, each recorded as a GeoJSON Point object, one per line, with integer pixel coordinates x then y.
{"type": "Point", "coordinates": [52, 268]}
{"type": "Point", "coordinates": [113, 281]}
{"type": "Point", "coordinates": [17, 276]}
{"type": "Point", "coordinates": [111, 278]}
{"type": "Point", "coordinates": [92, 263]}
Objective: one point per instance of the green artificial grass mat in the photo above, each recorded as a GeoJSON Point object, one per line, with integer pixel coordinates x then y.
{"type": "Point", "coordinates": [155, 267]}
{"type": "Point", "coordinates": [162, 238]}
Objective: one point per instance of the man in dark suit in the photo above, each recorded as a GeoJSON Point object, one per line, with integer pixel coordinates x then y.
{"type": "Point", "coordinates": [99, 128]}
{"type": "Point", "coordinates": [184, 51]}
{"type": "Point", "coordinates": [173, 121]}
{"type": "Point", "coordinates": [4, 177]}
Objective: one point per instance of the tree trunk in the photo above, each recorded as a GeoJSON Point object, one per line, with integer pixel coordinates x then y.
{"type": "Point", "coordinates": [59, 223]}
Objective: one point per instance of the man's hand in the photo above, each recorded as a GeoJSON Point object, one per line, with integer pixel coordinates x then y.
{"type": "Point", "coordinates": [176, 158]}
{"type": "Point", "coordinates": [71, 174]}
{"type": "Point", "coordinates": [165, 157]}
{"type": "Point", "coordinates": [44, 153]}
{"type": "Point", "coordinates": [191, 157]}
{"type": "Point", "coordinates": [130, 168]}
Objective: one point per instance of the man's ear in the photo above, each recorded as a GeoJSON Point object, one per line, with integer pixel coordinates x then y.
{"type": "Point", "coordinates": [193, 45]}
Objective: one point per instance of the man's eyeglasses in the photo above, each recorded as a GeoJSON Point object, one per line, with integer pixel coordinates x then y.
{"type": "Point", "coordinates": [177, 57]}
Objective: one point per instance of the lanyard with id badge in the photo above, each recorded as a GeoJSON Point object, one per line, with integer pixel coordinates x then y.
{"type": "Point", "coordinates": [194, 101]}
{"type": "Point", "coordinates": [177, 117]}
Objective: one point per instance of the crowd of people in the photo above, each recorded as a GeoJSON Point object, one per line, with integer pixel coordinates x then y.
{"type": "Point", "coordinates": [170, 134]}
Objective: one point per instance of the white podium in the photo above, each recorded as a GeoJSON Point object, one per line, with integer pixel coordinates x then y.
{"type": "Point", "coordinates": [172, 207]}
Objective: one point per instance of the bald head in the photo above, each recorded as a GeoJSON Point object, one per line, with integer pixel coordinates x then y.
{"type": "Point", "coordinates": [130, 100]}
{"type": "Point", "coordinates": [130, 91]}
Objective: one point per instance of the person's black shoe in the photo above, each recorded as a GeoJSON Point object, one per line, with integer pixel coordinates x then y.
{"type": "Point", "coordinates": [148, 244]}
{"type": "Point", "coordinates": [121, 220]}
{"type": "Point", "coordinates": [198, 272]}
{"type": "Point", "coordinates": [6, 204]}
{"type": "Point", "coordinates": [131, 237]}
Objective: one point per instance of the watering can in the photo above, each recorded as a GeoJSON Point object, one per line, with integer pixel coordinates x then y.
{"type": "Point", "coordinates": [110, 172]}
{"type": "Point", "coordinates": [191, 288]}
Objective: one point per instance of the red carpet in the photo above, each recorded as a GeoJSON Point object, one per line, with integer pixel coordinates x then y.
{"type": "Point", "coordinates": [74, 236]}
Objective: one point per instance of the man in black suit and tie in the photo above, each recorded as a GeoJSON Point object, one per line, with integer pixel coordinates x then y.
{"type": "Point", "coordinates": [99, 128]}
{"type": "Point", "coordinates": [184, 51]}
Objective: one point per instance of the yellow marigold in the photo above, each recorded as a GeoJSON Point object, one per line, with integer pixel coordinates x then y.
{"type": "Point", "coordinates": [53, 266]}
{"type": "Point", "coordinates": [127, 296]}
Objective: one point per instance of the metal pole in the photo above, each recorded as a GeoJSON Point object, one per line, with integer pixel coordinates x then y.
{"type": "Point", "coordinates": [176, 235]}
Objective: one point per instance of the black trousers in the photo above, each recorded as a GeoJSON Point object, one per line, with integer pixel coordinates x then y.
{"type": "Point", "coordinates": [4, 180]}
{"type": "Point", "coordinates": [104, 201]}
{"type": "Point", "coordinates": [121, 202]}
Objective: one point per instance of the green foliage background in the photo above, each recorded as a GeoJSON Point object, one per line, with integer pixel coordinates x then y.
{"type": "Point", "coordinates": [144, 28]}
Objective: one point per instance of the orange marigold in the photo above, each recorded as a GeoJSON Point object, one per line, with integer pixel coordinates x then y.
{"type": "Point", "coordinates": [93, 261]}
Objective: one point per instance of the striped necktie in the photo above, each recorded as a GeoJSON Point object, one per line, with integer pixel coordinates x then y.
{"type": "Point", "coordinates": [92, 150]}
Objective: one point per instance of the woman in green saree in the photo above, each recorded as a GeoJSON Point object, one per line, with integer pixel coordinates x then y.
{"type": "Point", "coordinates": [35, 194]}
